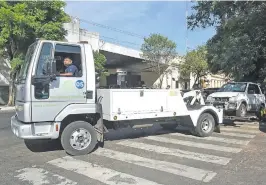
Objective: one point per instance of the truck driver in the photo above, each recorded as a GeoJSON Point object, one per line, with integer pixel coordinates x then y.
{"type": "Point", "coordinates": [71, 69]}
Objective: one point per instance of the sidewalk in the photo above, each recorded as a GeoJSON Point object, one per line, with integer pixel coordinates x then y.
{"type": "Point", "coordinates": [6, 108]}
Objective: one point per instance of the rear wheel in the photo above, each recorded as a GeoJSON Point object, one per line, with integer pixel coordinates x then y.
{"type": "Point", "coordinates": [205, 125]}
{"type": "Point", "coordinates": [79, 138]}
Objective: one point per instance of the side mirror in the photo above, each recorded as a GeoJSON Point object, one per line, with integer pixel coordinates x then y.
{"type": "Point", "coordinates": [50, 69]}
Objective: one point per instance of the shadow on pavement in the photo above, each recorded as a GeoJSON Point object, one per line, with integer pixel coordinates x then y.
{"type": "Point", "coordinates": [262, 126]}
{"type": "Point", "coordinates": [232, 123]}
{"type": "Point", "coordinates": [43, 145]}
{"type": "Point", "coordinates": [130, 133]}
{"type": "Point", "coordinates": [112, 135]}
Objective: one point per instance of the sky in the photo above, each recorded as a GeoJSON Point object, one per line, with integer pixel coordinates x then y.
{"type": "Point", "coordinates": [141, 18]}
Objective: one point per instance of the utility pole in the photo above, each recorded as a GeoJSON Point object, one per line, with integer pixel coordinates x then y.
{"type": "Point", "coordinates": [186, 26]}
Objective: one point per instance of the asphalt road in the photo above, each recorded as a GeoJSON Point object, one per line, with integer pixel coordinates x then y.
{"type": "Point", "coordinates": [143, 156]}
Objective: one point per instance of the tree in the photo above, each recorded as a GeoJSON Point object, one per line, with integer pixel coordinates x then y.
{"type": "Point", "coordinates": [195, 63]}
{"type": "Point", "coordinates": [99, 62]}
{"type": "Point", "coordinates": [158, 51]}
{"type": "Point", "coordinates": [239, 46]}
{"type": "Point", "coordinates": [21, 22]}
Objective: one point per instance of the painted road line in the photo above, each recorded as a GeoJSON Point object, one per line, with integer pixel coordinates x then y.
{"type": "Point", "coordinates": [99, 173]}
{"type": "Point", "coordinates": [39, 176]}
{"type": "Point", "coordinates": [237, 134]}
{"type": "Point", "coordinates": [194, 144]}
{"type": "Point", "coordinates": [174, 168]}
{"type": "Point", "coordinates": [240, 130]}
{"type": "Point", "coordinates": [176, 152]}
{"type": "Point", "coordinates": [213, 138]}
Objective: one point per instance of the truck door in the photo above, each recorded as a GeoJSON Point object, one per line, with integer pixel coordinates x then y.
{"type": "Point", "coordinates": [49, 101]}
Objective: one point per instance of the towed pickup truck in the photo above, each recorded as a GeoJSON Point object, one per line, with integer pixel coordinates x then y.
{"type": "Point", "coordinates": [238, 99]}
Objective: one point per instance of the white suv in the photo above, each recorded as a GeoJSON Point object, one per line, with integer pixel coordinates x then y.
{"type": "Point", "coordinates": [238, 98]}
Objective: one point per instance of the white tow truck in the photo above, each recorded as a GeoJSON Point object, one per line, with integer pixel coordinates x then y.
{"type": "Point", "coordinates": [70, 108]}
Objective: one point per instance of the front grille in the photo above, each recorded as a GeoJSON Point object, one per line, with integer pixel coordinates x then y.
{"type": "Point", "coordinates": [221, 99]}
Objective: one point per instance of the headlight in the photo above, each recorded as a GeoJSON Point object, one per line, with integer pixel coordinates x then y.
{"type": "Point", "coordinates": [233, 99]}
{"type": "Point", "coordinates": [209, 98]}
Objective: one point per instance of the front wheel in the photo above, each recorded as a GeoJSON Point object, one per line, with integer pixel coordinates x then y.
{"type": "Point", "coordinates": [242, 111]}
{"type": "Point", "coordinates": [205, 125]}
{"type": "Point", "coordinates": [79, 138]}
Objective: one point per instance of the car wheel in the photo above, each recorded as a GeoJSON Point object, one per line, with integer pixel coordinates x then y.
{"type": "Point", "coordinates": [242, 111]}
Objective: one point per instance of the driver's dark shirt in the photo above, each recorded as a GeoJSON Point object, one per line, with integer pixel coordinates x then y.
{"type": "Point", "coordinates": [72, 69]}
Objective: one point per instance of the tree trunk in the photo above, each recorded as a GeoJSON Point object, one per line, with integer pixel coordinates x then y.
{"type": "Point", "coordinates": [10, 95]}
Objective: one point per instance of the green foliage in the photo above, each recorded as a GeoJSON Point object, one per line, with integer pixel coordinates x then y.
{"type": "Point", "coordinates": [158, 51]}
{"type": "Point", "coordinates": [195, 63]}
{"type": "Point", "coordinates": [99, 62]}
{"type": "Point", "coordinates": [15, 63]}
{"type": "Point", "coordinates": [239, 47]}
{"type": "Point", "coordinates": [21, 22]}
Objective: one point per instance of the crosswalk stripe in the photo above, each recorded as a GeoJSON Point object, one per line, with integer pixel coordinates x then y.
{"type": "Point", "coordinates": [39, 176]}
{"type": "Point", "coordinates": [213, 138]}
{"type": "Point", "coordinates": [240, 130]}
{"type": "Point", "coordinates": [174, 168]}
{"type": "Point", "coordinates": [102, 174]}
{"type": "Point", "coordinates": [237, 134]}
{"type": "Point", "coordinates": [194, 144]}
{"type": "Point", "coordinates": [176, 152]}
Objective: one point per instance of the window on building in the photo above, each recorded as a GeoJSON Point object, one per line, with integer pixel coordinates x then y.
{"type": "Point", "coordinates": [177, 84]}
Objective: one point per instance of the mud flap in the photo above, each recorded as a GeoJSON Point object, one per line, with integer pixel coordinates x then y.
{"type": "Point", "coordinates": [99, 127]}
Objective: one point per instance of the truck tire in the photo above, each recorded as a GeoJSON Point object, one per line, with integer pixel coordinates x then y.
{"type": "Point", "coordinates": [242, 111]}
{"type": "Point", "coordinates": [79, 138]}
{"type": "Point", "coordinates": [169, 126]}
{"type": "Point", "coordinates": [205, 125]}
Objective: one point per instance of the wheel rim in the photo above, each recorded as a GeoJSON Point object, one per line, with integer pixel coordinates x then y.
{"type": "Point", "coordinates": [243, 111]}
{"type": "Point", "coordinates": [80, 139]}
{"type": "Point", "coordinates": [206, 125]}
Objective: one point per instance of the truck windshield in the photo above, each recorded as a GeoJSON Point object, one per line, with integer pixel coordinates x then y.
{"type": "Point", "coordinates": [26, 63]}
{"type": "Point", "coordinates": [233, 87]}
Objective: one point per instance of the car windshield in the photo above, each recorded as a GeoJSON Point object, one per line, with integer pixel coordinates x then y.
{"type": "Point", "coordinates": [26, 63]}
{"type": "Point", "coordinates": [233, 87]}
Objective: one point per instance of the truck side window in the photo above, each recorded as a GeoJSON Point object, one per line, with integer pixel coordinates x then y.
{"type": "Point", "coordinates": [68, 60]}
{"type": "Point", "coordinates": [253, 89]}
{"type": "Point", "coordinates": [42, 91]}
{"type": "Point", "coordinates": [44, 57]}
{"type": "Point", "coordinates": [257, 90]}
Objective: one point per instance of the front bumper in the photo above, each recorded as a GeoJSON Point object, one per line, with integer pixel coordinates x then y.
{"type": "Point", "coordinates": [226, 106]}
{"type": "Point", "coordinates": [44, 130]}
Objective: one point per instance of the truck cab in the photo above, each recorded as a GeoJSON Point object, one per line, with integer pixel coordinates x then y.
{"type": "Point", "coordinates": [41, 91]}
